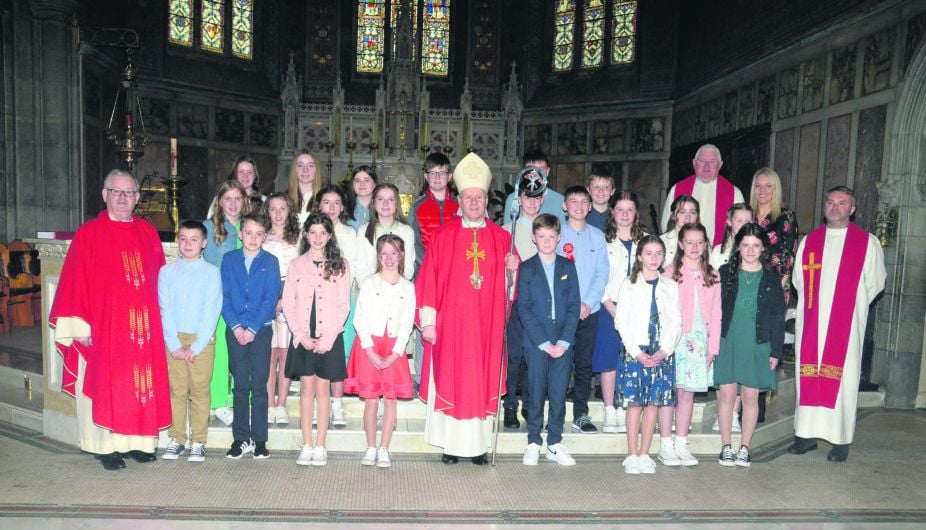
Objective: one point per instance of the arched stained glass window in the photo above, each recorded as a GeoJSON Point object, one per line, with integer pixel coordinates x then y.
{"type": "Point", "coordinates": [623, 42]}
{"type": "Point", "coordinates": [394, 25]}
{"type": "Point", "coordinates": [242, 28]}
{"type": "Point", "coordinates": [593, 34]}
{"type": "Point", "coordinates": [371, 27]}
{"type": "Point", "coordinates": [213, 28]}
{"type": "Point", "coordinates": [563, 34]}
{"type": "Point", "coordinates": [435, 45]}
{"type": "Point", "coordinates": [180, 22]}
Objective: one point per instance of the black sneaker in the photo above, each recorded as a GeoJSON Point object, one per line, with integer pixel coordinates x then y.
{"type": "Point", "coordinates": [511, 419]}
{"type": "Point", "coordinates": [239, 448]}
{"type": "Point", "coordinates": [727, 457]}
{"type": "Point", "coordinates": [260, 451]}
{"type": "Point", "coordinates": [742, 457]}
{"type": "Point", "coordinates": [584, 425]}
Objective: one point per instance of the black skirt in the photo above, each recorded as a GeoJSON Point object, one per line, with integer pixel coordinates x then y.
{"type": "Point", "coordinates": [329, 365]}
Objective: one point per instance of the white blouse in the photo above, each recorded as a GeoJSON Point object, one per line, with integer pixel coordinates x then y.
{"type": "Point", "coordinates": [356, 250]}
{"type": "Point", "coordinates": [631, 319]}
{"type": "Point", "coordinates": [385, 310]}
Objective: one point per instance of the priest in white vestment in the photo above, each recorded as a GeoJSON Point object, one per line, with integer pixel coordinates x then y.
{"type": "Point", "coordinates": [841, 272]}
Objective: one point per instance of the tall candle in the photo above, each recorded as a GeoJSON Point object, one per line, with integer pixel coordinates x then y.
{"type": "Point", "coordinates": [448, 133]}
{"type": "Point", "coordinates": [350, 128]}
{"type": "Point", "coordinates": [173, 157]}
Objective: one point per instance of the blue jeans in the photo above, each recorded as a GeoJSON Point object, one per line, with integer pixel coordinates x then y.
{"type": "Point", "coordinates": [547, 378]}
{"type": "Point", "coordinates": [250, 367]}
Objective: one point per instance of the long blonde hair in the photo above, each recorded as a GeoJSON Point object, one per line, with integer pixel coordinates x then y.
{"type": "Point", "coordinates": [293, 187]}
{"type": "Point", "coordinates": [775, 181]}
{"type": "Point", "coordinates": [218, 214]}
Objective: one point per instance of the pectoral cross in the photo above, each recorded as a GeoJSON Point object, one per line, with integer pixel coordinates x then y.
{"type": "Point", "coordinates": [810, 268]}
{"type": "Point", "coordinates": [475, 279]}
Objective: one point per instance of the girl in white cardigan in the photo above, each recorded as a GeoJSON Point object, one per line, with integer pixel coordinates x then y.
{"type": "Point", "coordinates": [377, 366]}
{"type": "Point", "coordinates": [649, 339]}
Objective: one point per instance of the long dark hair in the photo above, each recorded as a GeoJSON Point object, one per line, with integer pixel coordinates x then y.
{"type": "Point", "coordinates": [291, 227]}
{"type": "Point", "coordinates": [728, 233]}
{"type": "Point", "coordinates": [748, 229]}
{"type": "Point", "coordinates": [707, 272]}
{"type": "Point", "coordinates": [337, 190]}
{"type": "Point", "coordinates": [645, 240]}
{"type": "Point", "coordinates": [334, 262]}
{"type": "Point", "coordinates": [610, 229]}
{"type": "Point", "coordinates": [374, 215]}
{"type": "Point", "coordinates": [351, 195]}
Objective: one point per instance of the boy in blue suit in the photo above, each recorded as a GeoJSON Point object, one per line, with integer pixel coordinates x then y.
{"type": "Point", "coordinates": [548, 306]}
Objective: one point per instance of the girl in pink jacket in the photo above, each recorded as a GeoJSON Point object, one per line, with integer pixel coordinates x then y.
{"type": "Point", "coordinates": [316, 300]}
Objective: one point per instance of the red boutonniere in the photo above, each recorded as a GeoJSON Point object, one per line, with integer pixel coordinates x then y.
{"type": "Point", "coordinates": [568, 250]}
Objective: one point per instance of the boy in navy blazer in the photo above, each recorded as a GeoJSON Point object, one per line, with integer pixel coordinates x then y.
{"type": "Point", "coordinates": [548, 305]}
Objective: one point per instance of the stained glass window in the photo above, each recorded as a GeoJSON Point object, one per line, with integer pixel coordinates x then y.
{"type": "Point", "coordinates": [563, 34]}
{"type": "Point", "coordinates": [242, 42]}
{"type": "Point", "coordinates": [623, 42]}
{"type": "Point", "coordinates": [213, 25]}
{"type": "Point", "coordinates": [394, 24]}
{"type": "Point", "coordinates": [371, 22]}
{"type": "Point", "coordinates": [180, 22]}
{"type": "Point", "coordinates": [593, 34]}
{"type": "Point", "coordinates": [435, 46]}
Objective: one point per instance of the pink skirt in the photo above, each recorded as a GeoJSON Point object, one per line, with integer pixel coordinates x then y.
{"type": "Point", "coordinates": [368, 382]}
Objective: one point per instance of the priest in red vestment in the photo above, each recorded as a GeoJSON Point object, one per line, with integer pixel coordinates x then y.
{"type": "Point", "coordinates": [460, 290]}
{"type": "Point", "coordinates": [714, 193]}
{"type": "Point", "coordinates": [108, 329]}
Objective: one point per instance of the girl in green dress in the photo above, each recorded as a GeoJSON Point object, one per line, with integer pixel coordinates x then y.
{"type": "Point", "coordinates": [752, 337]}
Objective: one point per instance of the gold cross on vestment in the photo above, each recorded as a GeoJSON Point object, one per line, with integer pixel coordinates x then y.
{"type": "Point", "coordinates": [475, 279]}
{"type": "Point", "coordinates": [810, 268]}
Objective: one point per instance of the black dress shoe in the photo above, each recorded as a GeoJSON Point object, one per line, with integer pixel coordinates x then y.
{"type": "Point", "coordinates": [511, 419]}
{"type": "Point", "coordinates": [481, 460]}
{"type": "Point", "coordinates": [839, 453]}
{"type": "Point", "coordinates": [449, 459]}
{"type": "Point", "coordinates": [141, 457]}
{"type": "Point", "coordinates": [802, 445]}
{"type": "Point", "coordinates": [111, 462]}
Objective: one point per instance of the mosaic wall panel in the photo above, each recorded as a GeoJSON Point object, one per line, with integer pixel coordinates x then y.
{"type": "Point", "coordinates": [486, 145]}
{"type": "Point", "coordinates": [813, 77]}
{"type": "Point", "coordinates": [787, 92]}
{"type": "Point", "coordinates": [807, 172]}
{"type": "Point", "coordinates": [876, 70]}
{"type": "Point", "coordinates": [747, 102]}
{"type": "Point", "coordinates": [648, 135]}
{"type": "Point", "coordinates": [842, 79]}
{"type": "Point", "coordinates": [784, 160]}
{"type": "Point", "coordinates": [645, 178]}
{"type": "Point", "coordinates": [264, 130]}
{"type": "Point", "coordinates": [539, 137]}
{"type": "Point", "coordinates": [600, 137]}
{"type": "Point", "coordinates": [730, 112]}
{"type": "Point", "coordinates": [570, 138]}
{"type": "Point", "coordinates": [836, 164]}
{"type": "Point", "coordinates": [713, 116]}
{"type": "Point", "coordinates": [869, 155]}
{"type": "Point", "coordinates": [193, 120]}
{"type": "Point", "coordinates": [314, 137]}
{"type": "Point", "coordinates": [765, 100]}
{"type": "Point", "coordinates": [229, 126]}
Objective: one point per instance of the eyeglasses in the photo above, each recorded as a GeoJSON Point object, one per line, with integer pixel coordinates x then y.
{"type": "Point", "coordinates": [122, 193]}
{"type": "Point", "coordinates": [441, 174]}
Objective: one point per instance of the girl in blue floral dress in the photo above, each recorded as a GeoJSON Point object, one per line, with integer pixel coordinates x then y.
{"type": "Point", "coordinates": [649, 338]}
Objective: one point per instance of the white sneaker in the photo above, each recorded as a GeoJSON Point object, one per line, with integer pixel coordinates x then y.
{"type": "Point", "coordinates": [631, 465]}
{"type": "Point", "coordinates": [338, 421]}
{"type": "Point", "coordinates": [319, 456]}
{"type": "Point", "coordinates": [174, 450]}
{"type": "Point", "coordinates": [531, 455]}
{"type": "Point", "coordinates": [646, 464]}
{"type": "Point", "coordinates": [382, 458]}
{"type": "Point", "coordinates": [610, 420]}
{"type": "Point", "coordinates": [197, 453]}
{"type": "Point", "coordinates": [685, 457]}
{"type": "Point", "coordinates": [271, 415]}
{"type": "Point", "coordinates": [369, 457]}
{"type": "Point", "coordinates": [736, 424]}
{"type": "Point", "coordinates": [559, 454]}
{"type": "Point", "coordinates": [621, 419]}
{"type": "Point", "coordinates": [716, 426]}
{"type": "Point", "coordinates": [305, 456]}
{"type": "Point", "coordinates": [667, 455]}
{"type": "Point", "coordinates": [282, 416]}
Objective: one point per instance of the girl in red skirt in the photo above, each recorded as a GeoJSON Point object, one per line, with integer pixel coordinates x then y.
{"type": "Point", "coordinates": [377, 366]}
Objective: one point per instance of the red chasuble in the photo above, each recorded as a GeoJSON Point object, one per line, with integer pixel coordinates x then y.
{"type": "Point", "coordinates": [110, 280]}
{"type": "Point", "coordinates": [820, 377]}
{"type": "Point", "coordinates": [722, 202]}
{"type": "Point", "coordinates": [470, 320]}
